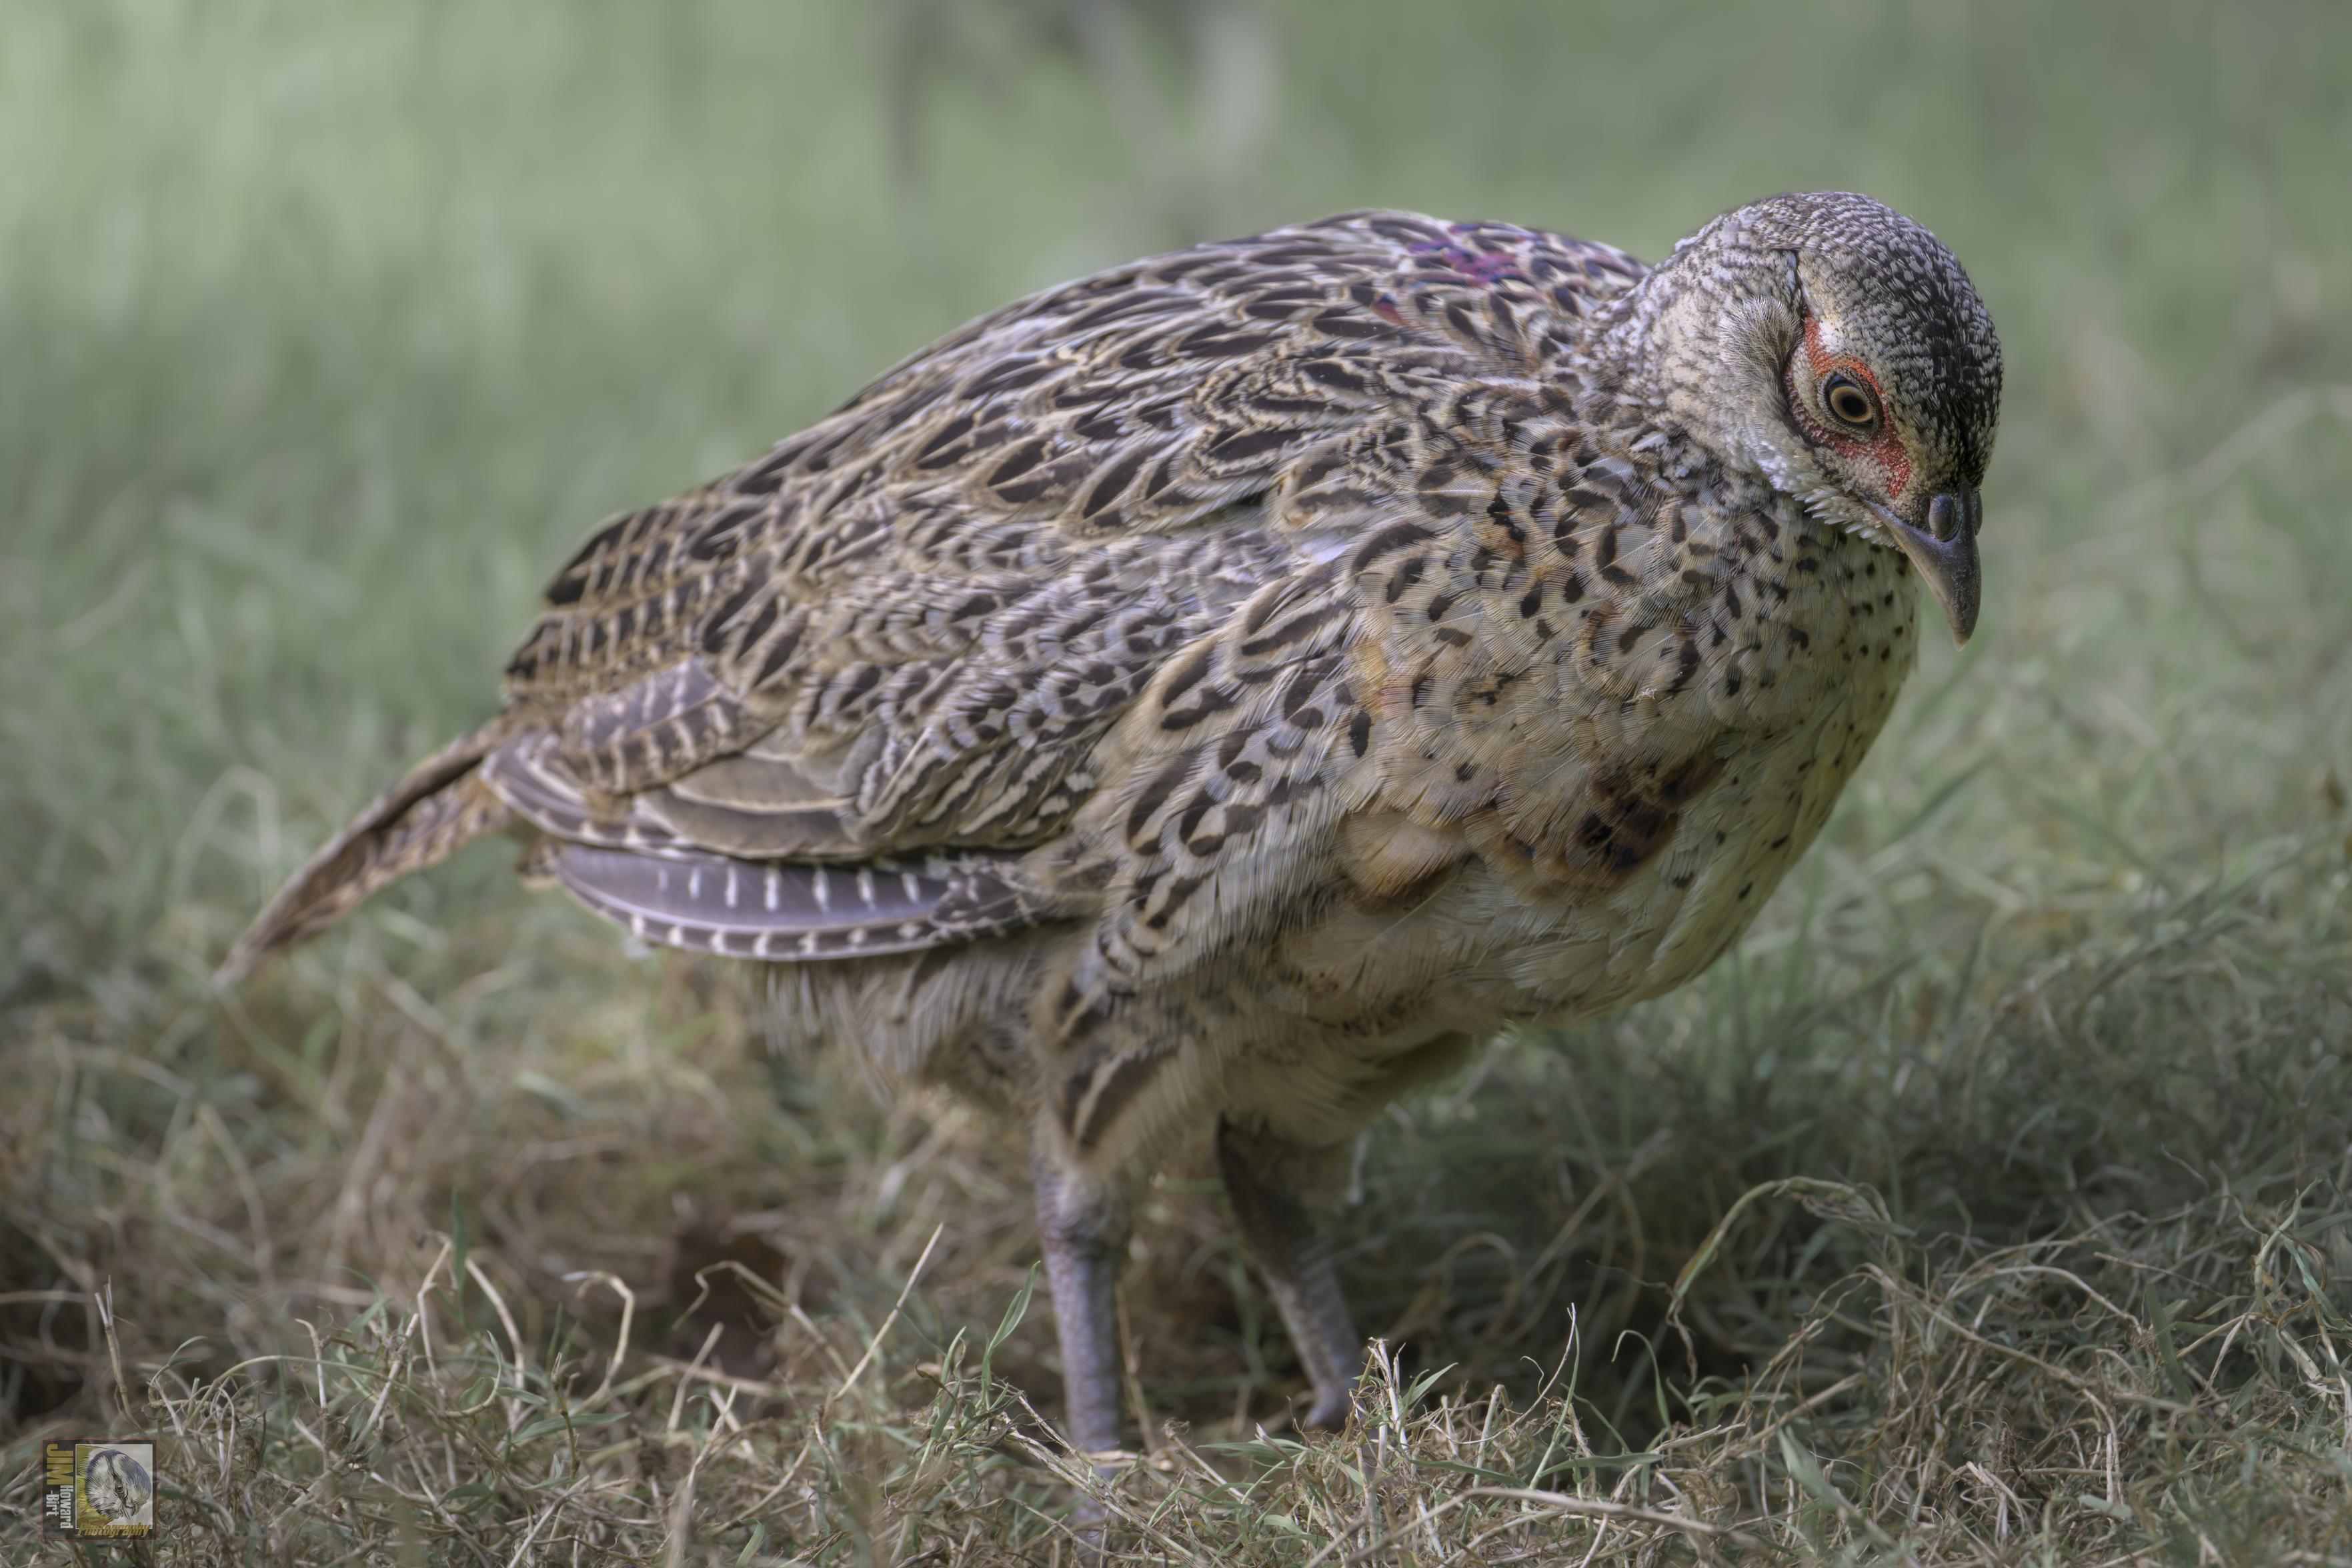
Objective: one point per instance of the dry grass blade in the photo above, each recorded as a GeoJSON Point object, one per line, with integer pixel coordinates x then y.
{"type": "Point", "coordinates": [873, 1344]}
{"type": "Point", "coordinates": [1596, 1508]}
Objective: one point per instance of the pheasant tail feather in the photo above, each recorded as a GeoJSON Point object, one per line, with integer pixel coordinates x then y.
{"type": "Point", "coordinates": [440, 807]}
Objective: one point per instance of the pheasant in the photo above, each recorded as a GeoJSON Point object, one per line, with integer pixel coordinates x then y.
{"type": "Point", "coordinates": [1218, 692]}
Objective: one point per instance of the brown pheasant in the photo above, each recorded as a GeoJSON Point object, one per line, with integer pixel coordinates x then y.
{"type": "Point", "coordinates": [1223, 689]}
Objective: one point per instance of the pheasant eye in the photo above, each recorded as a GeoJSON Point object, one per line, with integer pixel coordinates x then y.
{"type": "Point", "coordinates": [1846, 398]}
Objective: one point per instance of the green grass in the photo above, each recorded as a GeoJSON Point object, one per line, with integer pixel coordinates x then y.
{"type": "Point", "coordinates": [1992, 1203]}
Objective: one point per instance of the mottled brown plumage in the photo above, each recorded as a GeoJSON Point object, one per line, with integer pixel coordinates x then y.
{"type": "Point", "coordinates": [1219, 690]}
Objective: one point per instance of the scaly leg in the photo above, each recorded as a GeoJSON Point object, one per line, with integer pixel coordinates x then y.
{"type": "Point", "coordinates": [1279, 1192]}
{"type": "Point", "coordinates": [1083, 1235]}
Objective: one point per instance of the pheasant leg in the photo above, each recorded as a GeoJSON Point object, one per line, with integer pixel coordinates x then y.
{"type": "Point", "coordinates": [1084, 1238]}
{"type": "Point", "coordinates": [1273, 1186]}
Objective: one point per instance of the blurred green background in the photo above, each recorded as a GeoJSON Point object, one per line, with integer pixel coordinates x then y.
{"type": "Point", "coordinates": [328, 329]}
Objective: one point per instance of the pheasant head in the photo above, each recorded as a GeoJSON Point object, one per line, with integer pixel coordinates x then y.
{"type": "Point", "coordinates": [1832, 347]}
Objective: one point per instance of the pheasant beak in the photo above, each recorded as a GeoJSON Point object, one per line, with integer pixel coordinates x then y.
{"type": "Point", "coordinates": [1945, 552]}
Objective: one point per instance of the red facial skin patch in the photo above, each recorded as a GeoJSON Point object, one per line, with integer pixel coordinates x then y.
{"type": "Point", "coordinates": [1885, 454]}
